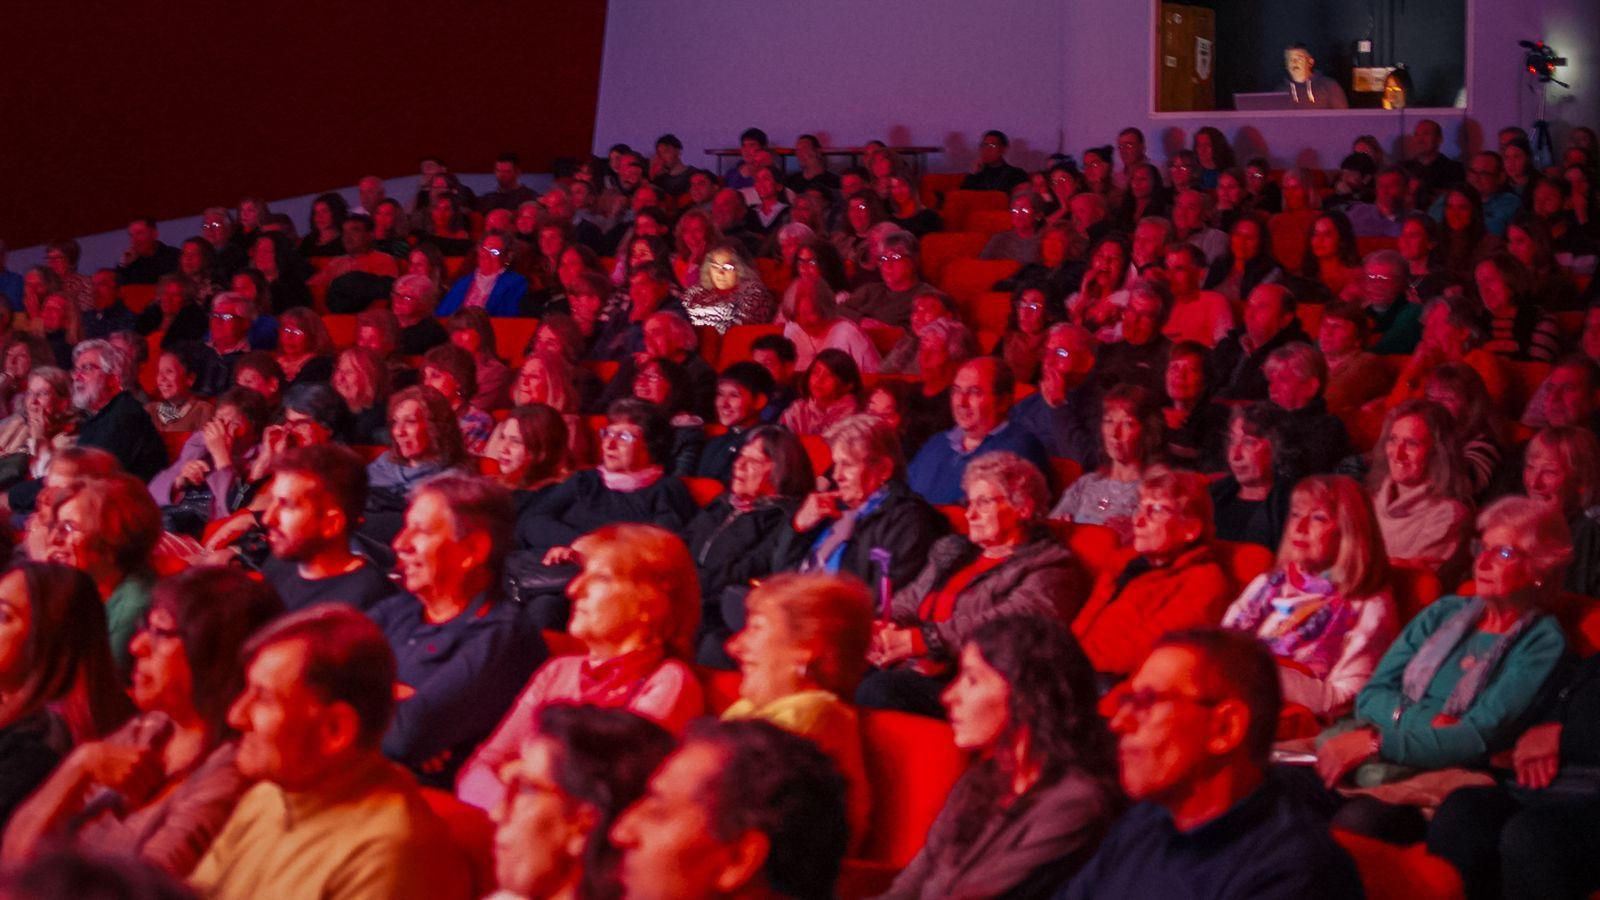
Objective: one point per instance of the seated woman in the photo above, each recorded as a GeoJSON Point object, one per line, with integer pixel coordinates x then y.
{"type": "Point", "coordinates": [1561, 469]}
{"type": "Point", "coordinates": [866, 521]}
{"type": "Point", "coordinates": [182, 785]}
{"type": "Point", "coordinates": [863, 211]}
{"type": "Point", "coordinates": [1175, 581]}
{"type": "Point", "coordinates": [635, 604]}
{"type": "Point", "coordinates": [665, 385]}
{"type": "Point", "coordinates": [305, 351]}
{"type": "Point", "coordinates": [668, 335]}
{"type": "Point", "coordinates": [362, 382]}
{"type": "Point", "coordinates": [1419, 488]}
{"type": "Point", "coordinates": [1458, 388]}
{"type": "Point", "coordinates": [214, 463]}
{"type": "Point", "coordinates": [529, 450]}
{"type": "Point", "coordinates": [56, 674]}
{"type": "Point", "coordinates": [462, 650]}
{"type": "Point", "coordinates": [23, 351]}
{"type": "Point", "coordinates": [1022, 345]}
{"type": "Point", "coordinates": [324, 238]}
{"type": "Point", "coordinates": [831, 393]}
{"type": "Point", "coordinates": [692, 238]}
{"type": "Point", "coordinates": [1518, 328]}
{"type": "Point", "coordinates": [1324, 607]}
{"type": "Point", "coordinates": [1131, 438]}
{"type": "Point", "coordinates": [450, 370]}
{"type": "Point", "coordinates": [1043, 787]}
{"type": "Point", "coordinates": [813, 324]}
{"type": "Point", "coordinates": [906, 208]}
{"type": "Point", "coordinates": [732, 539]}
{"type": "Point", "coordinates": [581, 768]}
{"type": "Point", "coordinates": [1250, 503]}
{"type": "Point", "coordinates": [1197, 437]}
{"type": "Point", "coordinates": [547, 376]}
{"type": "Point", "coordinates": [799, 652]}
{"type": "Point", "coordinates": [1549, 286]}
{"type": "Point", "coordinates": [1331, 261]}
{"type": "Point", "coordinates": [729, 292]}
{"type": "Point", "coordinates": [1463, 237]}
{"type": "Point", "coordinates": [1102, 295]}
{"type": "Point", "coordinates": [1455, 686]}
{"type": "Point", "coordinates": [472, 330]}
{"type": "Point", "coordinates": [1059, 268]}
{"type": "Point", "coordinates": [176, 407]}
{"type": "Point", "coordinates": [1007, 562]}
{"type": "Point", "coordinates": [1248, 263]}
{"type": "Point", "coordinates": [1452, 332]}
{"type": "Point", "coordinates": [107, 528]}
{"type": "Point", "coordinates": [1021, 243]}
{"type": "Point", "coordinates": [46, 424]}
{"type": "Point", "coordinates": [424, 440]}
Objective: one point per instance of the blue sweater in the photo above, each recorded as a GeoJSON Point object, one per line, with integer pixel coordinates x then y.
{"type": "Point", "coordinates": [936, 472]}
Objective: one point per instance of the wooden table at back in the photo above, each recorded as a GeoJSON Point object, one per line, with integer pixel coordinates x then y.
{"type": "Point", "coordinates": [918, 155]}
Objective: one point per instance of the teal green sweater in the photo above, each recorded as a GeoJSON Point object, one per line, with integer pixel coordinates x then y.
{"type": "Point", "coordinates": [1488, 726]}
{"type": "Point", "coordinates": [125, 609]}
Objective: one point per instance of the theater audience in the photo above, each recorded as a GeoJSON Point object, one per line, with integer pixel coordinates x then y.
{"type": "Point", "coordinates": [452, 372]}
{"type": "Point", "coordinates": [214, 464]}
{"type": "Point", "coordinates": [1023, 702]}
{"type": "Point", "coordinates": [163, 784]}
{"type": "Point", "coordinates": [1315, 440]}
{"type": "Point", "coordinates": [1007, 562]}
{"type": "Point", "coordinates": [1452, 332]}
{"type": "Point", "coordinates": [319, 694]}
{"type": "Point", "coordinates": [1453, 688]}
{"type": "Point", "coordinates": [1196, 424]}
{"type": "Point", "coordinates": [1248, 264]}
{"type": "Point", "coordinates": [531, 451]}
{"type": "Point", "coordinates": [1479, 425]}
{"type": "Point", "coordinates": [888, 302]}
{"type": "Point", "coordinates": [1061, 413]}
{"type": "Point", "coordinates": [1131, 442]}
{"type": "Point", "coordinates": [1174, 581]}
{"type": "Point", "coordinates": [45, 425]}
{"type": "Point", "coordinates": [1202, 316]}
{"type": "Point", "coordinates": [634, 608]}
{"type": "Point", "coordinates": [811, 320]}
{"type": "Point", "coordinates": [1194, 735]}
{"type": "Point", "coordinates": [1518, 328]}
{"type": "Point", "coordinates": [472, 330]}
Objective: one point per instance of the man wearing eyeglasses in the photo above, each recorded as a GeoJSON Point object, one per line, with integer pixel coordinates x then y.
{"type": "Point", "coordinates": [232, 314]}
{"type": "Point", "coordinates": [980, 397]}
{"type": "Point", "coordinates": [1062, 414]}
{"type": "Point", "coordinates": [1194, 734]}
{"type": "Point", "coordinates": [1486, 173]}
{"type": "Point", "coordinates": [992, 172]}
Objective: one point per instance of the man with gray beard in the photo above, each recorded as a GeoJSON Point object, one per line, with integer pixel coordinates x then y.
{"type": "Point", "coordinates": [113, 419]}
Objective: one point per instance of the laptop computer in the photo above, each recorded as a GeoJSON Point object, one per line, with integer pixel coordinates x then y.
{"type": "Point", "coordinates": [1264, 100]}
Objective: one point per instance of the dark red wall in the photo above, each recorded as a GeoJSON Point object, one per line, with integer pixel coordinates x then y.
{"type": "Point", "coordinates": [164, 108]}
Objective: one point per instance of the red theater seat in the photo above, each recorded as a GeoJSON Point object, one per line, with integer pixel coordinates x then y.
{"type": "Point", "coordinates": [912, 762]}
{"type": "Point", "coordinates": [959, 204]}
{"type": "Point", "coordinates": [1390, 872]}
{"type": "Point", "coordinates": [736, 343]}
{"type": "Point", "coordinates": [471, 832]}
{"type": "Point", "coordinates": [703, 490]}
{"type": "Point", "coordinates": [968, 279]}
{"type": "Point", "coordinates": [939, 248]}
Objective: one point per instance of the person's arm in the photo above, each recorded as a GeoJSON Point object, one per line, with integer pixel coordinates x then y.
{"type": "Point", "coordinates": [60, 798]}
{"type": "Point", "coordinates": [478, 783]}
{"type": "Point", "coordinates": [195, 815]}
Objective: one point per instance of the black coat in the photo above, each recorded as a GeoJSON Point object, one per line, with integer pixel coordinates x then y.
{"type": "Point", "coordinates": [582, 503]}
{"type": "Point", "coordinates": [1237, 374]}
{"type": "Point", "coordinates": [730, 550]}
{"type": "Point", "coordinates": [904, 524]}
{"type": "Point", "coordinates": [123, 429]}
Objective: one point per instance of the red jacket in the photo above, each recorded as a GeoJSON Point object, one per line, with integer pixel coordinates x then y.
{"type": "Point", "coordinates": [1118, 628]}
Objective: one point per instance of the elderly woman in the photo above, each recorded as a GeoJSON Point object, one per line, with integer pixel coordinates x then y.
{"type": "Point", "coordinates": [46, 424]}
{"type": "Point", "coordinates": [108, 530]}
{"type": "Point", "coordinates": [176, 407]}
{"type": "Point", "coordinates": [529, 450]}
{"type": "Point", "coordinates": [55, 673]}
{"type": "Point", "coordinates": [1324, 607]}
{"type": "Point", "coordinates": [1314, 439]}
{"type": "Point", "coordinates": [831, 392]}
{"type": "Point", "coordinates": [581, 769]}
{"type": "Point", "coordinates": [1006, 562]}
{"type": "Point", "coordinates": [1174, 582]}
{"type": "Point", "coordinates": [1419, 488]}
{"type": "Point", "coordinates": [812, 322]}
{"type": "Point", "coordinates": [362, 382]}
{"type": "Point", "coordinates": [21, 353]}
{"type": "Point", "coordinates": [864, 519]}
{"type": "Point", "coordinates": [799, 652]}
{"type": "Point", "coordinates": [634, 607]}
{"type": "Point", "coordinates": [729, 292]}
{"type": "Point", "coordinates": [490, 286]}
{"type": "Point", "coordinates": [462, 650]}
{"type": "Point", "coordinates": [1131, 438]}
{"type": "Point", "coordinates": [1042, 789]}
{"type": "Point", "coordinates": [449, 370]}
{"type": "Point", "coordinates": [1455, 686]}
{"type": "Point", "coordinates": [732, 539]}
{"type": "Point", "coordinates": [181, 785]}
{"type": "Point", "coordinates": [412, 300]}
{"type": "Point", "coordinates": [1561, 469]}
{"type": "Point", "coordinates": [472, 330]}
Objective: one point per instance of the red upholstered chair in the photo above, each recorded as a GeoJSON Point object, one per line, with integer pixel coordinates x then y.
{"type": "Point", "coordinates": [341, 329]}
{"type": "Point", "coordinates": [1097, 547]}
{"type": "Point", "coordinates": [912, 762]}
{"type": "Point", "coordinates": [936, 185]}
{"type": "Point", "coordinates": [989, 221]}
{"type": "Point", "coordinates": [471, 832]}
{"type": "Point", "coordinates": [1414, 586]}
{"type": "Point", "coordinates": [989, 311]}
{"type": "Point", "coordinates": [959, 204]}
{"type": "Point", "coordinates": [736, 343]}
{"type": "Point", "coordinates": [938, 249]}
{"type": "Point", "coordinates": [817, 450]}
{"type": "Point", "coordinates": [1390, 872]}
{"type": "Point", "coordinates": [1525, 378]}
{"type": "Point", "coordinates": [703, 490]}
{"type": "Point", "coordinates": [559, 643]}
{"type": "Point", "coordinates": [710, 342]}
{"type": "Point", "coordinates": [884, 337]}
{"type": "Point", "coordinates": [137, 296]}
{"type": "Point", "coordinates": [1243, 561]}
{"type": "Point", "coordinates": [968, 279]}
{"type": "Point", "coordinates": [721, 688]}
{"type": "Point", "coordinates": [511, 336]}
{"type": "Point", "coordinates": [956, 515]}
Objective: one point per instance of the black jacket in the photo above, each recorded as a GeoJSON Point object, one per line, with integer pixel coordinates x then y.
{"type": "Point", "coordinates": [582, 503]}
{"type": "Point", "coordinates": [1237, 373]}
{"type": "Point", "coordinates": [904, 524]}
{"type": "Point", "coordinates": [730, 550]}
{"type": "Point", "coordinates": [1314, 440]}
{"type": "Point", "coordinates": [123, 429]}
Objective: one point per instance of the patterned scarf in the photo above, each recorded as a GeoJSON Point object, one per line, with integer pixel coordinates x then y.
{"type": "Point", "coordinates": [1303, 626]}
{"type": "Point", "coordinates": [1422, 668]}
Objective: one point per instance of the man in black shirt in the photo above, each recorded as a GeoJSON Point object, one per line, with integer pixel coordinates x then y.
{"type": "Point", "coordinates": [993, 173]}
{"type": "Point", "coordinates": [113, 420]}
{"type": "Point", "coordinates": [813, 172]}
{"type": "Point", "coordinates": [146, 258]}
{"type": "Point", "coordinates": [313, 507]}
{"type": "Point", "coordinates": [1194, 734]}
{"type": "Point", "coordinates": [1438, 172]}
{"type": "Point", "coordinates": [742, 393]}
{"type": "Point", "coordinates": [1238, 360]}
{"type": "Point", "coordinates": [509, 191]}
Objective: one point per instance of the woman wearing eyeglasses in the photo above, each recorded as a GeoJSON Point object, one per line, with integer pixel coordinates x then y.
{"type": "Point", "coordinates": [305, 351]}
{"type": "Point", "coordinates": [491, 286]}
{"type": "Point", "coordinates": [1454, 688]}
{"type": "Point", "coordinates": [729, 293]}
{"type": "Point", "coordinates": [170, 769]}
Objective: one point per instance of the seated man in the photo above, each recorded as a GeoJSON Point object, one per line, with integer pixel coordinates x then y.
{"type": "Point", "coordinates": [313, 506]}
{"type": "Point", "coordinates": [509, 191]}
{"type": "Point", "coordinates": [1140, 357]}
{"type": "Point", "coordinates": [1386, 213]}
{"type": "Point", "coordinates": [779, 356]}
{"type": "Point", "coordinates": [888, 302]}
{"type": "Point", "coordinates": [1194, 733]}
{"type": "Point", "coordinates": [1191, 211]}
{"type": "Point", "coordinates": [413, 300]}
{"type": "Point", "coordinates": [979, 400]}
{"type": "Point", "coordinates": [1314, 439]}
{"type": "Point", "coordinates": [1063, 414]}
{"type": "Point", "coordinates": [330, 817]}
{"type": "Point", "coordinates": [360, 254]}
{"type": "Point", "coordinates": [742, 809]}
{"type": "Point", "coordinates": [114, 420]}
{"type": "Point", "coordinates": [992, 172]}
{"type": "Point", "coordinates": [1307, 89]}
{"type": "Point", "coordinates": [146, 258]}
{"type": "Point", "coordinates": [232, 315]}
{"type": "Point", "coordinates": [1396, 321]}
{"type": "Point", "coordinates": [743, 391]}
{"type": "Point", "coordinates": [1238, 360]}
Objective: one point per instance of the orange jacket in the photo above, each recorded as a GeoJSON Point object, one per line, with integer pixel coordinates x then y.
{"type": "Point", "coordinates": [1118, 628]}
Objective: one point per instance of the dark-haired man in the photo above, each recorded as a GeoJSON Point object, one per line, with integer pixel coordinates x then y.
{"type": "Point", "coordinates": [146, 258]}
{"type": "Point", "coordinates": [980, 398]}
{"type": "Point", "coordinates": [743, 391]}
{"type": "Point", "coordinates": [509, 191]}
{"type": "Point", "coordinates": [992, 172]}
{"type": "Point", "coordinates": [313, 507]}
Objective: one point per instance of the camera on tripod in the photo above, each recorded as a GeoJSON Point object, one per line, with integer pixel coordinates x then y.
{"type": "Point", "coordinates": [1541, 61]}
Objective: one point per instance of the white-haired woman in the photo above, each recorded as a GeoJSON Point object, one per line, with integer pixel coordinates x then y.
{"type": "Point", "coordinates": [730, 293]}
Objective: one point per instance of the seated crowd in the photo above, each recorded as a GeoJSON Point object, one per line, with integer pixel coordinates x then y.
{"type": "Point", "coordinates": [1236, 522]}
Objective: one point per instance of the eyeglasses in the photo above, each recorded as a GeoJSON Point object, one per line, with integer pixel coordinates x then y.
{"type": "Point", "coordinates": [1061, 353]}
{"type": "Point", "coordinates": [225, 317]}
{"type": "Point", "coordinates": [1029, 306]}
{"type": "Point", "coordinates": [1022, 210]}
{"type": "Point", "coordinates": [990, 144]}
{"type": "Point", "coordinates": [1157, 510]}
{"type": "Point", "coordinates": [1505, 552]}
{"type": "Point", "coordinates": [291, 331]}
{"type": "Point", "coordinates": [890, 257]}
{"type": "Point", "coordinates": [64, 529]}
{"type": "Point", "coordinates": [1140, 702]}
{"type": "Point", "coordinates": [155, 631]}
{"type": "Point", "coordinates": [806, 260]}
{"type": "Point", "coordinates": [210, 226]}
{"type": "Point", "coordinates": [616, 434]}
{"type": "Point", "coordinates": [724, 267]}
{"type": "Point", "coordinates": [1127, 145]}
{"type": "Point", "coordinates": [491, 251]}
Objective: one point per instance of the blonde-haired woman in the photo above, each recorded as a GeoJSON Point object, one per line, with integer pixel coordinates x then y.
{"type": "Point", "coordinates": [729, 293]}
{"type": "Point", "coordinates": [635, 605]}
{"type": "Point", "coordinates": [1324, 608]}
